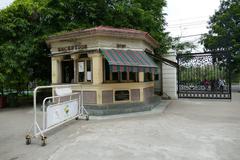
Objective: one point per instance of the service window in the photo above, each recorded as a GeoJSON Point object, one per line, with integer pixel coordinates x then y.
{"type": "Point", "coordinates": [118, 77]}
{"type": "Point", "coordinates": [106, 71]}
{"type": "Point", "coordinates": [115, 76]}
{"type": "Point", "coordinates": [85, 71]}
{"type": "Point", "coordinates": [122, 95]}
{"type": "Point", "coordinates": [148, 77]}
{"type": "Point", "coordinates": [156, 77]}
{"type": "Point", "coordinates": [81, 71]}
{"type": "Point", "coordinates": [89, 70]}
{"type": "Point", "coordinates": [124, 76]}
{"type": "Point", "coordinates": [133, 76]}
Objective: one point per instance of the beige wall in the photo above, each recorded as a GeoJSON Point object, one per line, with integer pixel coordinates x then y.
{"type": "Point", "coordinates": [90, 42]}
{"type": "Point", "coordinates": [97, 65]}
{"type": "Point", "coordinates": [111, 42]}
{"type": "Point", "coordinates": [113, 87]}
{"type": "Point", "coordinates": [169, 74]}
{"type": "Point", "coordinates": [103, 42]}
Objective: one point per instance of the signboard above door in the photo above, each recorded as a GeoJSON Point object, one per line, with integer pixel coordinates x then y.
{"type": "Point", "coordinates": [72, 48]}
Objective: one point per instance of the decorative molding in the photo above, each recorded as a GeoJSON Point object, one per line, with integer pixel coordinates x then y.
{"type": "Point", "coordinates": [73, 36]}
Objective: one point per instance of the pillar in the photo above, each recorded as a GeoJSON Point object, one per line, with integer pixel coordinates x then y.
{"type": "Point", "coordinates": [141, 76]}
{"type": "Point", "coordinates": [56, 70]}
{"type": "Point", "coordinates": [97, 73]}
{"type": "Point", "coordinates": [169, 77]}
{"type": "Point", "coordinates": [97, 68]}
{"type": "Point", "coordinates": [141, 80]}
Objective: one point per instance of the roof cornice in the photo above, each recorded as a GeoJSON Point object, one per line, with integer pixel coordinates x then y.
{"type": "Point", "coordinates": [104, 31]}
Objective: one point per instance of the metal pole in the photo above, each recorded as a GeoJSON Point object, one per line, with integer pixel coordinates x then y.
{"type": "Point", "coordinates": [35, 111]}
{"type": "Point", "coordinates": [35, 103]}
{"type": "Point", "coordinates": [81, 96]}
{"type": "Point", "coordinates": [178, 75]}
{"type": "Point", "coordinates": [230, 74]}
{"type": "Point", "coordinates": [44, 116]}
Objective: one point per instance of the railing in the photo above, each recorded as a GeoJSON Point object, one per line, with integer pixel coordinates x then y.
{"type": "Point", "coordinates": [76, 110]}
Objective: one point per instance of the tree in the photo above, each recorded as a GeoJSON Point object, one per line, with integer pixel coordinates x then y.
{"type": "Point", "coordinates": [23, 56]}
{"type": "Point", "coordinates": [26, 24]}
{"type": "Point", "coordinates": [182, 47]}
{"type": "Point", "coordinates": [224, 31]}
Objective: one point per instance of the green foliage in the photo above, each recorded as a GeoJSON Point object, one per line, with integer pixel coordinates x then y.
{"type": "Point", "coordinates": [24, 56]}
{"type": "Point", "coordinates": [224, 31]}
{"type": "Point", "coordinates": [182, 47]}
{"type": "Point", "coordinates": [236, 78]}
{"type": "Point", "coordinates": [25, 25]}
{"type": "Point", "coordinates": [198, 74]}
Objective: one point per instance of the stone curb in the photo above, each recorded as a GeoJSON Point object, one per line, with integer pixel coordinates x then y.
{"type": "Point", "coordinates": [157, 110]}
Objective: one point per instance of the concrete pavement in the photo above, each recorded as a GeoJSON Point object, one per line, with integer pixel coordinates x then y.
{"type": "Point", "coordinates": [186, 130]}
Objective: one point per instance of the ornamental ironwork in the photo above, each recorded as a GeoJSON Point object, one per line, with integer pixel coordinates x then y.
{"type": "Point", "coordinates": [204, 75]}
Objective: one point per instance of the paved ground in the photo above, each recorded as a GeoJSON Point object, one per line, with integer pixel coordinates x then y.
{"type": "Point", "coordinates": [236, 87]}
{"type": "Point", "coordinates": [186, 130]}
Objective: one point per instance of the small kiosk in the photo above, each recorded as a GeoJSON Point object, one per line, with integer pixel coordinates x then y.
{"type": "Point", "coordinates": [109, 64]}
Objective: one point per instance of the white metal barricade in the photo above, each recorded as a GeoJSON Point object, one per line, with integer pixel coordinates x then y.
{"type": "Point", "coordinates": [57, 112]}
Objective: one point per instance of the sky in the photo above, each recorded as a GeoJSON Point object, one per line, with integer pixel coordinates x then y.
{"type": "Point", "coordinates": [4, 3]}
{"type": "Point", "coordinates": [188, 18]}
{"type": "Point", "coordinates": [185, 18]}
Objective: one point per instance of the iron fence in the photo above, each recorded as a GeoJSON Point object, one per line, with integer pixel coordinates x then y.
{"type": "Point", "coordinates": [204, 75]}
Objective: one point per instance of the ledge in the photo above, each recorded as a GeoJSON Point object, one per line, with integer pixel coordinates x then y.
{"type": "Point", "coordinates": [113, 109]}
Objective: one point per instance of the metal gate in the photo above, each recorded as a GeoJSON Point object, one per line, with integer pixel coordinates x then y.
{"type": "Point", "coordinates": [204, 75]}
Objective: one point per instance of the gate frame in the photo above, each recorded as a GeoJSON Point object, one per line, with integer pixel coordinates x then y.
{"type": "Point", "coordinates": [35, 128]}
{"type": "Point", "coordinates": [229, 57]}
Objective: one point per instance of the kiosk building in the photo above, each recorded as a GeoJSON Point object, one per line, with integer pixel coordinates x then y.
{"type": "Point", "coordinates": [110, 64]}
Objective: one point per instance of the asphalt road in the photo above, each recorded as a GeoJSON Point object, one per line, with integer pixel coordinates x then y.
{"type": "Point", "coordinates": [186, 130]}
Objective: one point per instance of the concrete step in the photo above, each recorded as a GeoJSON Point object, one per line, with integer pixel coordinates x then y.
{"type": "Point", "coordinates": [113, 109]}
